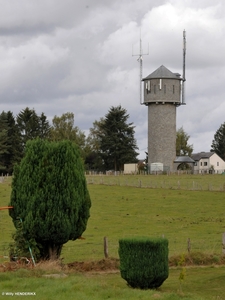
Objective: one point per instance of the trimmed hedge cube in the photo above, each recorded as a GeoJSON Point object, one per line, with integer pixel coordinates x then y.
{"type": "Point", "coordinates": [144, 261]}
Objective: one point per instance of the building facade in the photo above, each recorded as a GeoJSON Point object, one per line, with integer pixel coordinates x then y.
{"type": "Point", "coordinates": [208, 162]}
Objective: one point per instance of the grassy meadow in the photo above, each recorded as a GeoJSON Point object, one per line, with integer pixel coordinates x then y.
{"type": "Point", "coordinates": [204, 182]}
{"type": "Point", "coordinates": [162, 206]}
{"type": "Point", "coordinates": [204, 284]}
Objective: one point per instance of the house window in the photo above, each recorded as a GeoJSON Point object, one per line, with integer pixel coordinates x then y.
{"type": "Point", "coordinates": [201, 163]}
{"type": "Point", "coordinates": [217, 164]}
{"type": "Point", "coordinates": [205, 163]}
{"type": "Point", "coordinates": [196, 163]}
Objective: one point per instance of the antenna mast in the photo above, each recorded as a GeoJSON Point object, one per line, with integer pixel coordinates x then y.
{"type": "Point", "coordinates": [140, 59]}
{"type": "Point", "coordinates": [184, 56]}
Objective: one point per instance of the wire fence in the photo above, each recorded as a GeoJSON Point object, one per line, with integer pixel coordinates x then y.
{"type": "Point", "coordinates": [200, 182]}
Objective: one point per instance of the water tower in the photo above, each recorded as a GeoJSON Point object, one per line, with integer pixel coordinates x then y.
{"type": "Point", "coordinates": [163, 93]}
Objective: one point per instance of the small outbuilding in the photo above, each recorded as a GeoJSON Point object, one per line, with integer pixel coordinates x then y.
{"type": "Point", "coordinates": [184, 163]}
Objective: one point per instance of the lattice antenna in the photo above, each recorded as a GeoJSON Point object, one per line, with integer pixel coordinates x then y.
{"type": "Point", "coordinates": [140, 60]}
{"type": "Point", "coordinates": [184, 57]}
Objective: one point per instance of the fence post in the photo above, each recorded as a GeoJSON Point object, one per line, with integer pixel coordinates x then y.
{"type": "Point", "coordinates": [223, 243]}
{"type": "Point", "coordinates": [106, 247]}
{"type": "Point", "coordinates": [189, 245]}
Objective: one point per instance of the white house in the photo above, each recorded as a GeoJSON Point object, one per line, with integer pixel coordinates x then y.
{"type": "Point", "coordinates": [208, 162]}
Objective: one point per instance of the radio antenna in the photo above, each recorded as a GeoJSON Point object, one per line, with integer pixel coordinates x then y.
{"type": "Point", "coordinates": [140, 60]}
{"type": "Point", "coordinates": [184, 56]}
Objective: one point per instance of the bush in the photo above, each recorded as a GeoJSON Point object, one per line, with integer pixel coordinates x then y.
{"type": "Point", "coordinates": [50, 196]}
{"type": "Point", "coordinates": [144, 261]}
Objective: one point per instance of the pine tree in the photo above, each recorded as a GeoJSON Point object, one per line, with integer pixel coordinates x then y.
{"type": "Point", "coordinates": [14, 142]}
{"type": "Point", "coordinates": [117, 142]}
{"type": "Point", "coordinates": [44, 127]}
{"type": "Point", "coordinates": [218, 144]}
{"type": "Point", "coordinates": [32, 126]}
{"type": "Point", "coordinates": [4, 142]}
{"type": "Point", "coordinates": [93, 158]}
{"type": "Point", "coordinates": [50, 196]}
{"type": "Point", "coordinates": [28, 124]}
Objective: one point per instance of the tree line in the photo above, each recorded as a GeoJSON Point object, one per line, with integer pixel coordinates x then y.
{"type": "Point", "coordinates": [217, 146]}
{"type": "Point", "coordinates": [109, 145]}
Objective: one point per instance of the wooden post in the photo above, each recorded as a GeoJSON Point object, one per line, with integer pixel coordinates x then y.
{"type": "Point", "coordinates": [223, 243]}
{"type": "Point", "coordinates": [106, 247]}
{"type": "Point", "coordinates": [189, 245]}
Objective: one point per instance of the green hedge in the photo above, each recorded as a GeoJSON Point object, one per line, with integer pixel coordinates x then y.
{"type": "Point", "coordinates": [144, 261]}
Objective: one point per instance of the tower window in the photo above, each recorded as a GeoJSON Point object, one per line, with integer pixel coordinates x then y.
{"type": "Point", "coordinates": [148, 87]}
{"type": "Point", "coordinates": [164, 88]}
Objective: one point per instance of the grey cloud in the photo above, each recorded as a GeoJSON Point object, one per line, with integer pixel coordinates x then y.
{"type": "Point", "coordinates": [59, 56]}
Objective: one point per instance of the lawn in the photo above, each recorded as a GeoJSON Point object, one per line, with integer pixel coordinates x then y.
{"type": "Point", "coordinates": [123, 210]}
{"type": "Point", "coordinates": [199, 284]}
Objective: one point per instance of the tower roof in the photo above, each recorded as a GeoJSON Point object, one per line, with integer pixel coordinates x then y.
{"type": "Point", "coordinates": [162, 72]}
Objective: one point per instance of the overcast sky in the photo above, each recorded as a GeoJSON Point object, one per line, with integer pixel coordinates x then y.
{"type": "Point", "coordinates": [59, 56]}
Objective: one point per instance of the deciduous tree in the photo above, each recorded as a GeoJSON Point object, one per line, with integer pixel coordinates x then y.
{"type": "Point", "coordinates": [182, 146]}
{"type": "Point", "coordinates": [63, 128]}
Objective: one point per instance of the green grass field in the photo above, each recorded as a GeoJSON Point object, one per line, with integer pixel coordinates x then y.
{"type": "Point", "coordinates": [122, 211]}
{"type": "Point", "coordinates": [199, 284]}
{"type": "Point", "coordinates": [199, 182]}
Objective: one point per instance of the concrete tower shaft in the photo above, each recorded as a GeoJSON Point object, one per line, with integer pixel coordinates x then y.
{"type": "Point", "coordinates": [162, 134]}
{"type": "Point", "coordinates": [162, 94]}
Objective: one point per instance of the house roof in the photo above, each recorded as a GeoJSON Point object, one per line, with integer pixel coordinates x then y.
{"type": "Point", "coordinates": [162, 72]}
{"type": "Point", "coordinates": [200, 155]}
{"type": "Point", "coordinates": [184, 159]}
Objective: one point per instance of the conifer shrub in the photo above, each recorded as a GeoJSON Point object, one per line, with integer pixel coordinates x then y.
{"type": "Point", "coordinates": [144, 261]}
{"type": "Point", "coordinates": [50, 196]}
